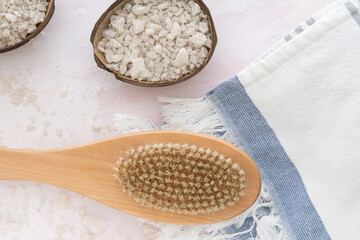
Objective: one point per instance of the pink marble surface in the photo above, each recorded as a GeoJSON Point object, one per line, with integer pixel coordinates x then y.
{"type": "Point", "coordinates": [52, 86]}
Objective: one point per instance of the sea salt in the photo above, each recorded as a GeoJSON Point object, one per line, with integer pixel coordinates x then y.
{"type": "Point", "coordinates": [59, 132]}
{"type": "Point", "coordinates": [96, 126]}
{"type": "Point", "coordinates": [182, 58]}
{"type": "Point", "coordinates": [18, 18]}
{"type": "Point", "coordinates": [30, 127]}
{"type": "Point", "coordinates": [94, 225]}
{"type": "Point", "coordinates": [156, 40]}
{"type": "Point", "coordinates": [63, 201]}
{"type": "Point", "coordinates": [45, 132]}
{"type": "Point", "coordinates": [46, 123]}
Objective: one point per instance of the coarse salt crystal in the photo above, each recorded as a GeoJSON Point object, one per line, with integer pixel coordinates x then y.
{"type": "Point", "coordinates": [138, 26]}
{"type": "Point", "coordinates": [113, 58]}
{"type": "Point", "coordinates": [10, 17]}
{"type": "Point", "coordinates": [198, 39]}
{"type": "Point", "coordinates": [139, 10]}
{"type": "Point", "coordinates": [203, 27]}
{"type": "Point", "coordinates": [164, 5]}
{"type": "Point", "coordinates": [195, 8]}
{"type": "Point", "coordinates": [119, 24]}
{"type": "Point", "coordinates": [181, 58]}
{"type": "Point", "coordinates": [181, 42]}
{"type": "Point", "coordinates": [169, 24]}
{"type": "Point", "coordinates": [159, 67]}
{"type": "Point", "coordinates": [150, 31]}
{"type": "Point", "coordinates": [163, 33]}
{"type": "Point", "coordinates": [176, 30]}
{"type": "Point", "coordinates": [138, 69]}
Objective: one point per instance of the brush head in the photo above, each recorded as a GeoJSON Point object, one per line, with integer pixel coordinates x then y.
{"type": "Point", "coordinates": [180, 178]}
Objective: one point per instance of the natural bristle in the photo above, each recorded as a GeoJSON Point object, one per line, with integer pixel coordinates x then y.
{"type": "Point", "coordinates": [180, 178]}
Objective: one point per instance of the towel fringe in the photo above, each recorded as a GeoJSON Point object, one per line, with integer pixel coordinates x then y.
{"type": "Point", "coordinates": [193, 115]}
{"type": "Point", "coordinates": [130, 123]}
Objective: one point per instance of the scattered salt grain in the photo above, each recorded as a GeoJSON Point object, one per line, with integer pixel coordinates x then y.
{"type": "Point", "coordinates": [154, 40]}
{"type": "Point", "coordinates": [147, 229]}
{"type": "Point", "coordinates": [98, 90]}
{"type": "Point", "coordinates": [96, 127]}
{"type": "Point", "coordinates": [59, 132]}
{"type": "Point", "coordinates": [32, 119]}
{"type": "Point", "coordinates": [46, 123]}
{"type": "Point", "coordinates": [36, 105]}
{"type": "Point", "coordinates": [18, 93]}
{"type": "Point", "coordinates": [51, 205]}
{"type": "Point", "coordinates": [84, 97]}
{"type": "Point", "coordinates": [18, 18]}
{"type": "Point", "coordinates": [42, 201]}
{"type": "Point", "coordinates": [30, 128]}
{"type": "Point", "coordinates": [82, 212]}
{"type": "Point", "coordinates": [64, 93]}
{"type": "Point", "coordinates": [63, 201]}
{"type": "Point", "coordinates": [87, 236]}
{"type": "Point", "coordinates": [94, 225]}
{"type": "Point", "coordinates": [45, 132]}
{"type": "Point", "coordinates": [61, 230]}
{"type": "Point", "coordinates": [15, 221]}
{"type": "Point", "coordinates": [80, 12]}
{"type": "Point", "coordinates": [12, 188]}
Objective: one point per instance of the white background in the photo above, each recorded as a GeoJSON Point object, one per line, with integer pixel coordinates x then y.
{"type": "Point", "coordinates": [52, 84]}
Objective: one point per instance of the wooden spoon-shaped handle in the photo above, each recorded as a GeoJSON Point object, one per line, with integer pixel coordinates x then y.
{"type": "Point", "coordinates": [88, 170]}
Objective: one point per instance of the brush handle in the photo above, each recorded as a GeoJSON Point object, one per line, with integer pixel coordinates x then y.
{"type": "Point", "coordinates": [26, 165]}
{"type": "Point", "coordinates": [52, 167]}
{"type": "Point", "coordinates": [86, 170]}
{"type": "Point", "coordinates": [80, 169]}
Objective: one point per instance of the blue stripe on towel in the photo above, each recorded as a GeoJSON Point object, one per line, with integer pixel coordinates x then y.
{"type": "Point", "coordinates": [310, 21]}
{"type": "Point", "coordinates": [288, 37]}
{"type": "Point", "coordinates": [251, 132]}
{"type": "Point", "coordinates": [353, 11]}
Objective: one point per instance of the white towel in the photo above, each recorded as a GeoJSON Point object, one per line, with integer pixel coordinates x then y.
{"type": "Point", "coordinates": [308, 90]}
